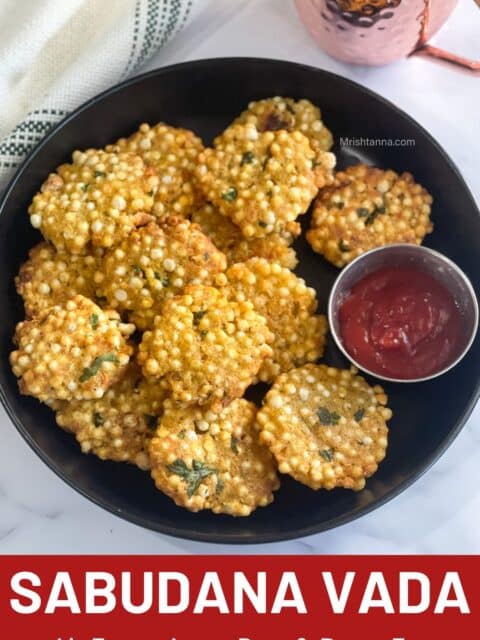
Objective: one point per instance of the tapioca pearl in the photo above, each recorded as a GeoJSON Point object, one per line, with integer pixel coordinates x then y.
{"type": "Point", "coordinates": [36, 220]}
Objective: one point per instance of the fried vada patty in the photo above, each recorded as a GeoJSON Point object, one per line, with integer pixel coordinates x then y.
{"type": "Point", "coordinates": [261, 181]}
{"type": "Point", "coordinates": [71, 351]}
{"type": "Point", "coordinates": [367, 208]}
{"type": "Point", "coordinates": [289, 307]}
{"type": "Point", "coordinates": [274, 114]}
{"type": "Point", "coordinates": [206, 460]}
{"type": "Point", "coordinates": [326, 427]}
{"type": "Point", "coordinates": [120, 425]}
{"type": "Point", "coordinates": [207, 347]}
{"type": "Point", "coordinates": [51, 277]}
{"type": "Point", "coordinates": [97, 199]}
{"type": "Point", "coordinates": [157, 262]}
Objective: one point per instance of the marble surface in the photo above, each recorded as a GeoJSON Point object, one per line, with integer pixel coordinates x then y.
{"type": "Point", "coordinates": [441, 512]}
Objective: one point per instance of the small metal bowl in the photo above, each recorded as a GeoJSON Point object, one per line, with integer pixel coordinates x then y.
{"type": "Point", "coordinates": [424, 259]}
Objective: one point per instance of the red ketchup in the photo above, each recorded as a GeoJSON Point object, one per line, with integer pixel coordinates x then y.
{"type": "Point", "coordinates": [401, 323]}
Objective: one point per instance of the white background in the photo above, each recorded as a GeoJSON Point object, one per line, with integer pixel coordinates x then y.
{"type": "Point", "coordinates": [441, 512]}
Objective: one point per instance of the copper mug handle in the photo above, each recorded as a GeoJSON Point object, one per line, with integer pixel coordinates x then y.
{"type": "Point", "coordinates": [441, 54]}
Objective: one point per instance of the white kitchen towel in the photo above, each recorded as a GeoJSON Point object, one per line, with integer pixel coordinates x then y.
{"type": "Point", "coordinates": [55, 54]}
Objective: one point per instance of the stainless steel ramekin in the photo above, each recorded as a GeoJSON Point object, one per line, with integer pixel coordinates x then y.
{"type": "Point", "coordinates": [408, 255]}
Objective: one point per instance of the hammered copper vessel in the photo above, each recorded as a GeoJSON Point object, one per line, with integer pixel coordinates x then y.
{"type": "Point", "coordinates": [373, 32]}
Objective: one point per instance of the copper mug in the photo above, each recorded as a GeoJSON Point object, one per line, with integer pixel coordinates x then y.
{"type": "Point", "coordinates": [373, 32]}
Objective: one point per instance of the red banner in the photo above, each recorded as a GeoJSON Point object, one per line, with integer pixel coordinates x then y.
{"type": "Point", "coordinates": [239, 597]}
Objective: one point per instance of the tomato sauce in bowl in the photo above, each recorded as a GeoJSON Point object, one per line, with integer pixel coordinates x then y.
{"type": "Point", "coordinates": [400, 322]}
{"type": "Point", "coordinates": [403, 313]}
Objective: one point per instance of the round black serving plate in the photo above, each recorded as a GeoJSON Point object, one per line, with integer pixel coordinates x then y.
{"type": "Point", "coordinates": [205, 96]}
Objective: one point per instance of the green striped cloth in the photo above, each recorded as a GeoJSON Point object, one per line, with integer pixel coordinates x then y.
{"type": "Point", "coordinates": [55, 55]}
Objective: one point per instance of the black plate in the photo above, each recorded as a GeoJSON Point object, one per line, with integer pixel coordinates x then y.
{"type": "Point", "coordinates": [205, 96]}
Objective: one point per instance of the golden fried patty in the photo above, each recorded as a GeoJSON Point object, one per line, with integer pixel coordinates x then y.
{"type": "Point", "coordinates": [157, 262]}
{"type": "Point", "coordinates": [99, 198]}
{"type": "Point", "coordinates": [227, 237]}
{"type": "Point", "coordinates": [326, 427]}
{"type": "Point", "coordinates": [73, 351]}
{"type": "Point", "coordinates": [50, 277]}
{"type": "Point", "coordinates": [204, 460]}
{"type": "Point", "coordinates": [208, 348]}
{"type": "Point", "coordinates": [367, 208]}
{"type": "Point", "coordinates": [289, 307]}
{"type": "Point", "coordinates": [274, 114]}
{"type": "Point", "coordinates": [261, 181]}
{"type": "Point", "coordinates": [120, 425]}
{"type": "Point", "coordinates": [173, 154]}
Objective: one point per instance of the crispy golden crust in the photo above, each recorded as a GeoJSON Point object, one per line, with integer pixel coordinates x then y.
{"type": "Point", "coordinates": [120, 425]}
{"type": "Point", "coordinates": [173, 154]}
{"type": "Point", "coordinates": [274, 114]}
{"type": "Point", "coordinates": [157, 262]}
{"type": "Point", "coordinates": [73, 351]}
{"type": "Point", "coordinates": [204, 460]}
{"type": "Point", "coordinates": [367, 208]}
{"type": "Point", "coordinates": [99, 198]}
{"type": "Point", "coordinates": [289, 307]}
{"type": "Point", "coordinates": [261, 181]}
{"type": "Point", "coordinates": [50, 277]}
{"type": "Point", "coordinates": [227, 237]}
{"type": "Point", "coordinates": [208, 348]}
{"type": "Point", "coordinates": [326, 427]}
